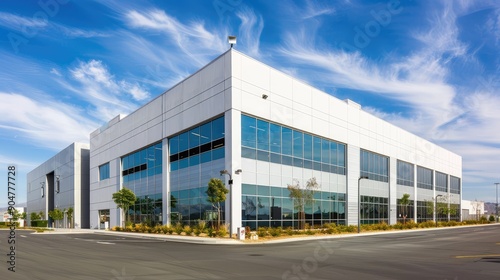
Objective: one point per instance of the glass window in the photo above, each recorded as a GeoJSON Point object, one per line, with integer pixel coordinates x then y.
{"type": "Point", "coordinates": [298, 144]}
{"type": "Point", "coordinates": [248, 189]}
{"type": "Point", "coordinates": [194, 137]}
{"type": "Point", "coordinates": [104, 172]}
{"type": "Point", "coordinates": [206, 133]}
{"type": "Point", "coordinates": [248, 131]}
{"type": "Point", "coordinates": [454, 184]}
{"type": "Point", "coordinates": [333, 153]}
{"type": "Point", "coordinates": [405, 174]}
{"type": "Point", "coordinates": [218, 128]}
{"type": "Point", "coordinates": [325, 151]}
{"type": "Point", "coordinates": [317, 149]}
{"type": "Point", "coordinates": [286, 141]}
{"type": "Point", "coordinates": [441, 182]}
{"type": "Point", "coordinates": [218, 153]}
{"type": "Point", "coordinates": [308, 146]}
{"type": "Point", "coordinates": [374, 166]}
{"type": "Point", "coordinates": [275, 138]}
{"type": "Point", "coordinates": [262, 135]}
{"type": "Point", "coordinates": [183, 141]}
{"type": "Point", "coordinates": [424, 178]}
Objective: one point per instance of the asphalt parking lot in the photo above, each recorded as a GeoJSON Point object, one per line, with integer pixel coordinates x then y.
{"type": "Point", "coordinates": [454, 253]}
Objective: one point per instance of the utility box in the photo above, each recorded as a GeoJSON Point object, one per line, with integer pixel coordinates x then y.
{"type": "Point", "coordinates": [241, 233]}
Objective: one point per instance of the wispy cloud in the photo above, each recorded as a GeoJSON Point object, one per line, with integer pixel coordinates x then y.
{"type": "Point", "coordinates": [250, 31]}
{"type": "Point", "coordinates": [20, 23]}
{"type": "Point", "coordinates": [315, 9]}
{"type": "Point", "coordinates": [98, 86]}
{"type": "Point", "coordinates": [31, 26]}
{"type": "Point", "coordinates": [45, 123]}
{"type": "Point", "coordinates": [437, 109]}
{"type": "Point", "coordinates": [192, 39]}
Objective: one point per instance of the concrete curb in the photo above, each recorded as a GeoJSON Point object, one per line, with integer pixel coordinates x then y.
{"type": "Point", "coordinates": [226, 241]}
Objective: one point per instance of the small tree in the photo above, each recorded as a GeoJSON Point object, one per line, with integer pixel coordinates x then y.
{"type": "Point", "coordinates": [302, 197]}
{"type": "Point", "coordinates": [14, 213]}
{"type": "Point", "coordinates": [70, 216]}
{"type": "Point", "coordinates": [216, 193]}
{"type": "Point", "coordinates": [56, 215]}
{"type": "Point", "coordinates": [34, 216]}
{"type": "Point", "coordinates": [124, 198]}
{"type": "Point", "coordinates": [405, 200]}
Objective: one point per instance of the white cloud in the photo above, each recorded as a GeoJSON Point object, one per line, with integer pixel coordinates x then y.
{"type": "Point", "coordinates": [250, 30]}
{"type": "Point", "coordinates": [46, 123]}
{"type": "Point", "coordinates": [55, 72]}
{"type": "Point", "coordinates": [191, 39]}
{"type": "Point", "coordinates": [100, 88]}
{"type": "Point", "coordinates": [20, 23]}
{"type": "Point", "coordinates": [315, 9]}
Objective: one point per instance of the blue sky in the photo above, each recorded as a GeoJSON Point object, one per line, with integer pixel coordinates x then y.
{"type": "Point", "coordinates": [431, 67]}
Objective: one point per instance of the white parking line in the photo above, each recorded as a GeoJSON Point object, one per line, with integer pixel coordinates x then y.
{"type": "Point", "coordinates": [107, 243]}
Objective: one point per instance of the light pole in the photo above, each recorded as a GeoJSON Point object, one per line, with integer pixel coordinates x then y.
{"type": "Point", "coordinates": [435, 208]}
{"type": "Point", "coordinates": [225, 172]}
{"type": "Point", "coordinates": [359, 201]}
{"type": "Point", "coordinates": [496, 209]}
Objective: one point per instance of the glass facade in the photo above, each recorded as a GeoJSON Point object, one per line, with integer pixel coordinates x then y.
{"type": "Point", "coordinates": [104, 172]}
{"type": "Point", "coordinates": [406, 174]}
{"type": "Point", "coordinates": [425, 210]}
{"type": "Point", "coordinates": [374, 166]}
{"type": "Point", "coordinates": [374, 210]}
{"type": "Point", "coordinates": [265, 141]}
{"type": "Point", "coordinates": [198, 145]}
{"type": "Point", "coordinates": [424, 178]}
{"type": "Point", "coordinates": [195, 156]}
{"type": "Point", "coordinates": [405, 212]}
{"type": "Point", "coordinates": [454, 185]}
{"type": "Point", "coordinates": [265, 206]}
{"type": "Point", "coordinates": [142, 173]}
{"type": "Point", "coordinates": [441, 182]}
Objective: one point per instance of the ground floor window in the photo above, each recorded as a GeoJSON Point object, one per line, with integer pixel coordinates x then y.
{"type": "Point", "coordinates": [405, 212]}
{"type": "Point", "coordinates": [425, 210]}
{"type": "Point", "coordinates": [374, 210]}
{"type": "Point", "coordinates": [265, 206]}
{"type": "Point", "coordinates": [191, 205]}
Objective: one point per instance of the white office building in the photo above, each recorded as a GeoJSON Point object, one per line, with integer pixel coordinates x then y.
{"type": "Point", "coordinates": [268, 130]}
{"type": "Point", "coordinates": [62, 182]}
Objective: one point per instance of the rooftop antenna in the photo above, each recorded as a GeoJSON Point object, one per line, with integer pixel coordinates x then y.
{"type": "Point", "coordinates": [231, 40]}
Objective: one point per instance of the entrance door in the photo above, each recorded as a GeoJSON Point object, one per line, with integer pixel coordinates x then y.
{"type": "Point", "coordinates": [104, 219]}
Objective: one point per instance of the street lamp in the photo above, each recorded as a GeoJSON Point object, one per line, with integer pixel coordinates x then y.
{"type": "Point", "coordinates": [225, 172]}
{"type": "Point", "coordinates": [496, 209]}
{"type": "Point", "coordinates": [435, 208]}
{"type": "Point", "coordinates": [359, 201]}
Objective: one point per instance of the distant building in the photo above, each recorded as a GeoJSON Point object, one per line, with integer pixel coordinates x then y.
{"type": "Point", "coordinates": [5, 216]}
{"type": "Point", "coordinates": [472, 209]}
{"type": "Point", "coordinates": [62, 182]}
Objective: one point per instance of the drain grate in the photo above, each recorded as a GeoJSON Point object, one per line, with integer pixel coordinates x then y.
{"type": "Point", "coordinates": [256, 255]}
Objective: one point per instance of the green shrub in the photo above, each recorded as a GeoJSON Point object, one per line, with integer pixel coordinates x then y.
{"type": "Point", "coordinates": [492, 218]}
{"type": "Point", "coordinates": [178, 228]}
{"type": "Point", "coordinates": [289, 231]}
{"type": "Point", "coordinates": [427, 224]}
{"type": "Point", "coordinates": [39, 223]}
{"type": "Point", "coordinates": [223, 230]}
{"type": "Point", "coordinates": [211, 232]}
{"type": "Point", "coordinates": [275, 232]}
{"type": "Point", "coordinates": [262, 231]}
{"type": "Point", "coordinates": [483, 220]}
{"type": "Point", "coordinates": [187, 229]}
